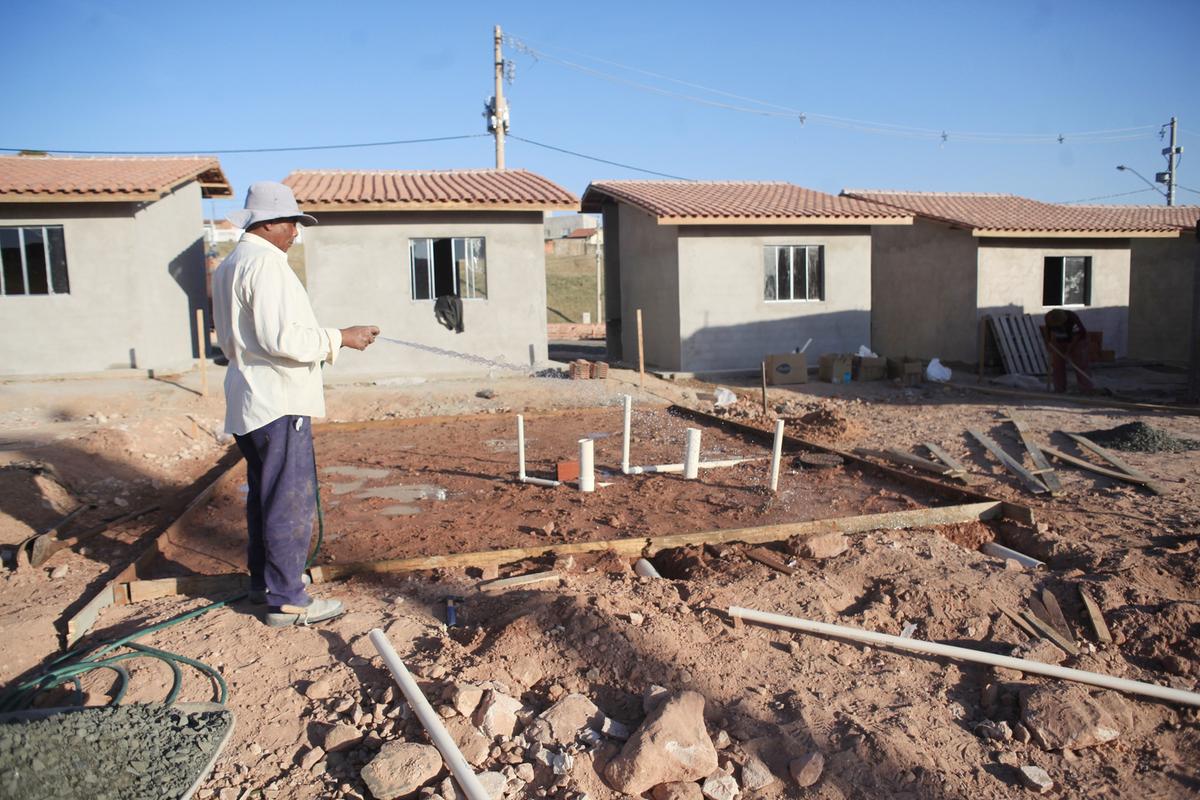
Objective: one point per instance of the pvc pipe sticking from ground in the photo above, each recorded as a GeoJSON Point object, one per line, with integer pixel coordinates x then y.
{"type": "Point", "coordinates": [521, 476]}
{"type": "Point", "coordinates": [587, 465]}
{"type": "Point", "coordinates": [464, 776]}
{"type": "Point", "coordinates": [776, 452]}
{"type": "Point", "coordinates": [627, 406]}
{"type": "Point", "coordinates": [645, 569]}
{"type": "Point", "coordinates": [966, 654]}
{"type": "Point", "coordinates": [691, 455]}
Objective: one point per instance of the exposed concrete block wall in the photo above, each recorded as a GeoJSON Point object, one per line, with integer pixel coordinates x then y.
{"type": "Point", "coordinates": [649, 269]}
{"type": "Point", "coordinates": [923, 290]}
{"type": "Point", "coordinates": [614, 322]}
{"type": "Point", "coordinates": [1160, 297]}
{"type": "Point", "coordinates": [725, 322]}
{"type": "Point", "coordinates": [129, 266]}
{"type": "Point", "coordinates": [358, 272]}
{"type": "Point", "coordinates": [1010, 281]}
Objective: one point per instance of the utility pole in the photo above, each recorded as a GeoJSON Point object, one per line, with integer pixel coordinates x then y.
{"type": "Point", "coordinates": [1170, 152]}
{"type": "Point", "coordinates": [1193, 389]}
{"type": "Point", "coordinates": [496, 110]}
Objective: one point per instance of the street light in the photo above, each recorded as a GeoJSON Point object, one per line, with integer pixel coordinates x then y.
{"type": "Point", "coordinates": [1124, 168]}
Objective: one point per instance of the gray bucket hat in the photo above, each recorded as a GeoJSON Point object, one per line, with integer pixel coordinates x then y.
{"type": "Point", "coordinates": [267, 201]}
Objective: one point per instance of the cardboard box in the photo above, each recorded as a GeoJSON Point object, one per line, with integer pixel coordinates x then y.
{"type": "Point", "coordinates": [870, 369]}
{"type": "Point", "coordinates": [909, 371]}
{"type": "Point", "coordinates": [787, 368]}
{"type": "Point", "coordinates": [836, 368]}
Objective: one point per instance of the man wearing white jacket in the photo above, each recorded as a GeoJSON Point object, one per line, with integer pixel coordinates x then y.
{"type": "Point", "coordinates": [267, 329]}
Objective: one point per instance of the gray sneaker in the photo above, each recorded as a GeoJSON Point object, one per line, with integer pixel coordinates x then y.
{"type": "Point", "coordinates": [259, 596]}
{"type": "Point", "coordinates": [316, 611]}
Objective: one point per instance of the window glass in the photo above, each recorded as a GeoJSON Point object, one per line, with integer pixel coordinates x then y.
{"type": "Point", "coordinates": [798, 273]}
{"type": "Point", "coordinates": [1075, 271]}
{"type": "Point", "coordinates": [769, 291]}
{"type": "Point", "coordinates": [461, 271]}
{"type": "Point", "coordinates": [57, 257]}
{"type": "Point", "coordinates": [477, 251]}
{"type": "Point", "coordinates": [35, 261]}
{"type": "Point", "coordinates": [816, 277]}
{"type": "Point", "coordinates": [10, 252]}
{"type": "Point", "coordinates": [1052, 276]}
{"type": "Point", "coordinates": [783, 272]}
{"type": "Point", "coordinates": [420, 269]}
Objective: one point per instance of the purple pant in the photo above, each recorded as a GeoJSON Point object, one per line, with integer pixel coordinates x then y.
{"type": "Point", "coordinates": [280, 507]}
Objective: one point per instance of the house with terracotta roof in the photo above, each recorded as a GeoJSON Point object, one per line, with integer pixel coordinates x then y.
{"type": "Point", "coordinates": [726, 272]}
{"type": "Point", "coordinates": [971, 254]}
{"type": "Point", "coordinates": [390, 243]}
{"type": "Point", "coordinates": [103, 261]}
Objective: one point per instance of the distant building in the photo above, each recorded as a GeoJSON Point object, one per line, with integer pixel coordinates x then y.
{"type": "Point", "coordinates": [221, 230]}
{"type": "Point", "coordinates": [389, 244]}
{"type": "Point", "coordinates": [559, 226]}
{"type": "Point", "coordinates": [106, 256]}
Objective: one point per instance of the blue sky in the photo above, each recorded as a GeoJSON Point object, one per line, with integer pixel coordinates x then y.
{"type": "Point", "coordinates": [140, 76]}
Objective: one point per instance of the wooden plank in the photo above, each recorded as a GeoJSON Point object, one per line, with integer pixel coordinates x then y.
{"type": "Point", "coordinates": [900, 457]}
{"type": "Point", "coordinates": [1108, 456]}
{"type": "Point", "coordinates": [1099, 626]}
{"type": "Point", "coordinates": [1015, 618]}
{"type": "Point", "coordinates": [1029, 479]}
{"type": "Point", "coordinates": [1079, 400]}
{"type": "Point", "coordinates": [1045, 471]}
{"type": "Point", "coordinates": [1029, 347]}
{"type": "Point", "coordinates": [1057, 618]}
{"type": "Point", "coordinates": [85, 618]}
{"type": "Point", "coordinates": [1038, 341]}
{"type": "Point", "coordinates": [1007, 357]}
{"type": "Point", "coordinates": [945, 457]}
{"type": "Point", "coordinates": [1015, 343]}
{"type": "Point", "coordinates": [516, 581]}
{"type": "Point", "coordinates": [1048, 632]}
{"type": "Point", "coordinates": [191, 585]}
{"type": "Point", "coordinates": [638, 547]}
{"type": "Point", "coordinates": [1152, 486]}
{"type": "Point", "coordinates": [767, 558]}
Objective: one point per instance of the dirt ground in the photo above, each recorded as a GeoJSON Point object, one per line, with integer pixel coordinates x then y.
{"type": "Point", "coordinates": [888, 724]}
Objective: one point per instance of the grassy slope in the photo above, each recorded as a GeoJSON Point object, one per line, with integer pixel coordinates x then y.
{"type": "Point", "coordinates": [570, 288]}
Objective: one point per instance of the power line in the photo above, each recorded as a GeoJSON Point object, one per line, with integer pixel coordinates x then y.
{"type": "Point", "coordinates": [233, 151]}
{"type": "Point", "coordinates": [1186, 189]}
{"type": "Point", "coordinates": [1105, 196]}
{"type": "Point", "coordinates": [595, 158]}
{"type": "Point", "coordinates": [866, 126]}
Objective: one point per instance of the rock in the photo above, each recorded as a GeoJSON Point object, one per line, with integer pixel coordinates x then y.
{"type": "Point", "coordinates": [1036, 778]}
{"type": "Point", "coordinates": [59, 572]}
{"type": "Point", "coordinates": [341, 737]}
{"type": "Point", "coordinates": [497, 714]}
{"type": "Point", "coordinates": [1044, 651]}
{"type": "Point", "coordinates": [401, 768]}
{"type": "Point", "coordinates": [1069, 718]}
{"type": "Point", "coordinates": [806, 770]}
{"type": "Point", "coordinates": [756, 774]}
{"type": "Point", "coordinates": [677, 791]}
{"type": "Point", "coordinates": [473, 744]}
{"type": "Point", "coordinates": [1021, 734]}
{"type": "Point", "coordinates": [486, 394]}
{"type": "Point", "coordinates": [311, 758]}
{"type": "Point", "coordinates": [562, 722]}
{"type": "Point", "coordinates": [493, 783]}
{"type": "Point", "coordinates": [825, 545]}
{"type": "Point", "coordinates": [524, 772]}
{"type": "Point", "coordinates": [653, 697]}
{"type": "Point", "coordinates": [719, 786]}
{"type": "Point", "coordinates": [465, 698]}
{"type": "Point", "coordinates": [318, 689]}
{"type": "Point", "coordinates": [722, 741]}
{"type": "Point", "coordinates": [634, 617]}
{"type": "Point", "coordinates": [999, 731]}
{"type": "Point", "coordinates": [343, 705]}
{"type": "Point", "coordinates": [672, 744]}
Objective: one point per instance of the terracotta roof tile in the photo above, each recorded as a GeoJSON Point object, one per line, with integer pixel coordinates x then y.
{"type": "Point", "coordinates": [1183, 217]}
{"type": "Point", "coordinates": [1000, 214]}
{"type": "Point", "coordinates": [498, 189]}
{"type": "Point", "coordinates": [755, 202]}
{"type": "Point", "coordinates": [581, 233]}
{"type": "Point", "coordinates": [61, 179]}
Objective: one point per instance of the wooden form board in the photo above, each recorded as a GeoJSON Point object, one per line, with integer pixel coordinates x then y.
{"type": "Point", "coordinates": [1108, 456]}
{"type": "Point", "coordinates": [1045, 471]}
{"type": "Point", "coordinates": [900, 457]}
{"type": "Point", "coordinates": [1028, 478]}
{"type": "Point", "coordinates": [1150, 485]}
{"type": "Point", "coordinates": [1022, 348]}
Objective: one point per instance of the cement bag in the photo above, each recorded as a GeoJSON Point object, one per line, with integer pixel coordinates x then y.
{"type": "Point", "coordinates": [724, 397]}
{"type": "Point", "coordinates": [937, 371]}
{"type": "Point", "coordinates": [865, 352]}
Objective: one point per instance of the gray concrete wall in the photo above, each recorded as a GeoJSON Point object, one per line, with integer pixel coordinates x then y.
{"type": "Point", "coordinates": [1160, 297]}
{"type": "Point", "coordinates": [649, 270]}
{"type": "Point", "coordinates": [1010, 281]}
{"type": "Point", "coordinates": [358, 272]}
{"type": "Point", "coordinates": [923, 290]}
{"type": "Point", "coordinates": [612, 284]}
{"type": "Point", "coordinates": [135, 272]}
{"type": "Point", "coordinates": [726, 324]}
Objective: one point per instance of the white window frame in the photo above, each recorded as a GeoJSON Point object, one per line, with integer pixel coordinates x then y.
{"type": "Point", "coordinates": [470, 271]}
{"type": "Point", "coordinates": [46, 262]}
{"type": "Point", "coordinates": [1087, 266]}
{"type": "Point", "coordinates": [792, 248]}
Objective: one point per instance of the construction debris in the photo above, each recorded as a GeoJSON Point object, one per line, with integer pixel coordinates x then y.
{"type": "Point", "coordinates": [1138, 437]}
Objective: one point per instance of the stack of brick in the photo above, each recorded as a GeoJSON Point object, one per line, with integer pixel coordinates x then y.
{"type": "Point", "coordinates": [582, 370]}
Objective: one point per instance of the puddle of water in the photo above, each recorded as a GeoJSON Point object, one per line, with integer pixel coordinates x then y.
{"type": "Point", "coordinates": [362, 473]}
{"type": "Point", "coordinates": [400, 511]}
{"type": "Point", "coordinates": [346, 488]}
{"type": "Point", "coordinates": [406, 494]}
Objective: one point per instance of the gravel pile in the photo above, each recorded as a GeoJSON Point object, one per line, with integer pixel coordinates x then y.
{"type": "Point", "coordinates": [1141, 438]}
{"type": "Point", "coordinates": [134, 751]}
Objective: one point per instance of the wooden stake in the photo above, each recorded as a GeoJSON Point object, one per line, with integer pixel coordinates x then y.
{"type": "Point", "coordinates": [641, 352]}
{"type": "Point", "coordinates": [1057, 618]}
{"type": "Point", "coordinates": [518, 580]}
{"type": "Point", "coordinates": [1029, 479]}
{"type": "Point", "coordinates": [1051, 634]}
{"type": "Point", "coordinates": [1045, 471]}
{"type": "Point", "coordinates": [764, 387]}
{"type": "Point", "coordinates": [769, 559]}
{"type": "Point", "coordinates": [1108, 473]}
{"type": "Point", "coordinates": [1108, 456]}
{"type": "Point", "coordinates": [202, 351]}
{"type": "Point", "coordinates": [1095, 616]}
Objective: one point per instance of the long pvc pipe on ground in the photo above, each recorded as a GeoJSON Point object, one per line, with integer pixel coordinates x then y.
{"type": "Point", "coordinates": [462, 772]}
{"type": "Point", "coordinates": [691, 455]}
{"type": "Point", "coordinates": [776, 452]}
{"type": "Point", "coordinates": [653, 468]}
{"type": "Point", "coordinates": [627, 406]}
{"type": "Point", "coordinates": [966, 654]}
{"type": "Point", "coordinates": [1000, 551]}
{"type": "Point", "coordinates": [587, 465]}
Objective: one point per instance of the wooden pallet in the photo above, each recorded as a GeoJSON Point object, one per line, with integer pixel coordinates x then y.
{"type": "Point", "coordinates": [1019, 340]}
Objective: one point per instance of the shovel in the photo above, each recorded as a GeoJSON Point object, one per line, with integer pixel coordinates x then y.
{"type": "Point", "coordinates": [43, 546]}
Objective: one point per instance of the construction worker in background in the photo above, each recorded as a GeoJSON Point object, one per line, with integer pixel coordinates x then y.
{"type": "Point", "coordinates": [273, 389]}
{"type": "Point", "coordinates": [1068, 342]}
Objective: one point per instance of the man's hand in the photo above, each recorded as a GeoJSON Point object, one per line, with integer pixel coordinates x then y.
{"type": "Point", "coordinates": [359, 336]}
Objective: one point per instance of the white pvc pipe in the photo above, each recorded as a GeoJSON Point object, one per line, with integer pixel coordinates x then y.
{"type": "Point", "coordinates": [587, 465]}
{"type": "Point", "coordinates": [462, 772]}
{"type": "Point", "coordinates": [966, 654]}
{"type": "Point", "coordinates": [521, 448]}
{"type": "Point", "coordinates": [776, 452]}
{"type": "Point", "coordinates": [691, 455]}
{"type": "Point", "coordinates": [654, 468]}
{"type": "Point", "coordinates": [1000, 551]}
{"type": "Point", "coordinates": [540, 481]}
{"type": "Point", "coordinates": [645, 569]}
{"type": "Point", "coordinates": [627, 403]}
